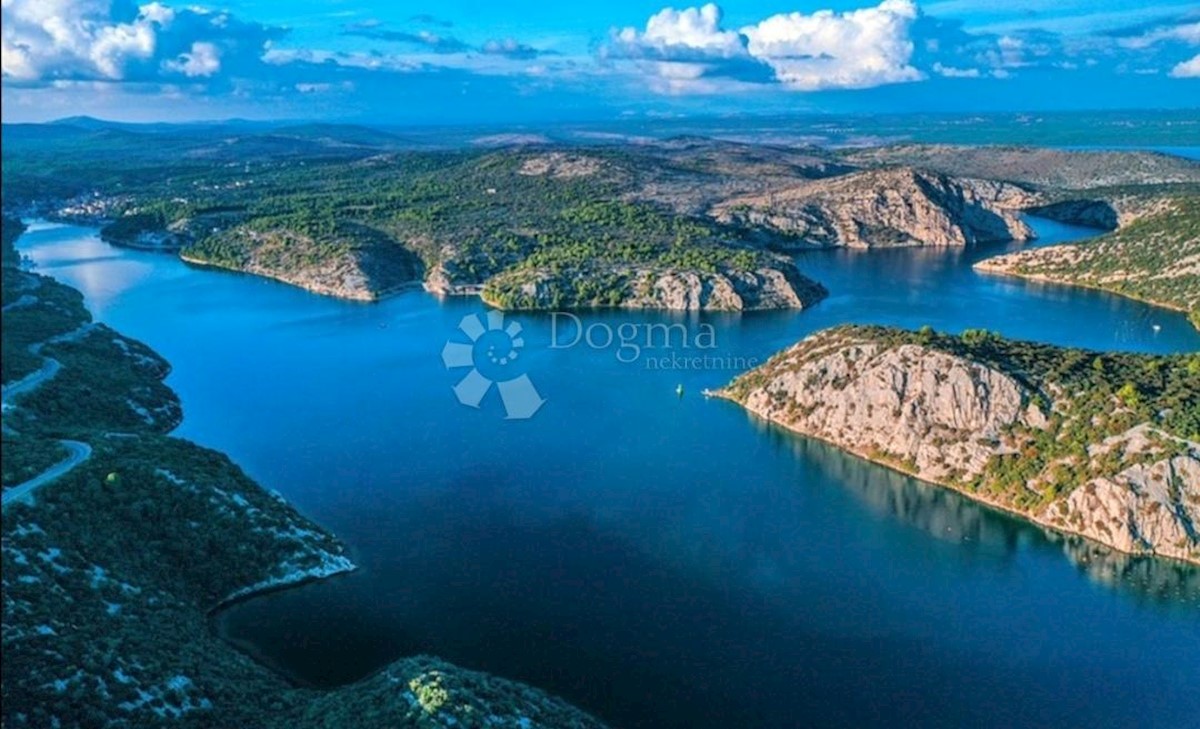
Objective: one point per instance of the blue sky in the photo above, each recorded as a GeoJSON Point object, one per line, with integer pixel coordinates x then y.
{"type": "Point", "coordinates": [464, 61]}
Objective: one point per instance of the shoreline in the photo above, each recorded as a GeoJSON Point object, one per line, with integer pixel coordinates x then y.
{"type": "Point", "coordinates": [995, 270]}
{"type": "Point", "coordinates": [720, 394]}
{"type": "Point", "coordinates": [371, 298]}
{"type": "Point", "coordinates": [213, 616]}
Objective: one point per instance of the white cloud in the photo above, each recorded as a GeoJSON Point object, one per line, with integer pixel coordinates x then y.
{"type": "Point", "coordinates": [99, 40]}
{"type": "Point", "coordinates": [828, 50]}
{"type": "Point", "coordinates": [1187, 69]}
{"type": "Point", "coordinates": [45, 38]}
{"type": "Point", "coordinates": [1188, 33]}
{"type": "Point", "coordinates": [952, 72]}
{"type": "Point", "coordinates": [695, 29]}
{"type": "Point", "coordinates": [203, 60]}
{"type": "Point", "coordinates": [679, 49]}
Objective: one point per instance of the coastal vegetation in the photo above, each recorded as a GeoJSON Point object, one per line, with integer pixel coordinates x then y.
{"type": "Point", "coordinates": [1057, 434]}
{"type": "Point", "coordinates": [348, 212]}
{"type": "Point", "coordinates": [1155, 258]}
{"type": "Point", "coordinates": [24, 457]}
{"type": "Point", "coordinates": [112, 570]}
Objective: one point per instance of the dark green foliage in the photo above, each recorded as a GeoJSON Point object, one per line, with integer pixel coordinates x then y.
{"type": "Point", "coordinates": [24, 457]}
{"type": "Point", "coordinates": [106, 381]}
{"type": "Point", "coordinates": [38, 308]}
{"type": "Point", "coordinates": [479, 217]}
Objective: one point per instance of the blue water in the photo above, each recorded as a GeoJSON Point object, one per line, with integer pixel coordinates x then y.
{"type": "Point", "coordinates": [663, 561]}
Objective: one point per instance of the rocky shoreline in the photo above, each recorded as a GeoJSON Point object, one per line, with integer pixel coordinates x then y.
{"type": "Point", "coordinates": [951, 420]}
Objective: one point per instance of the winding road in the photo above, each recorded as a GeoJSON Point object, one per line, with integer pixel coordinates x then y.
{"type": "Point", "coordinates": [79, 451]}
{"type": "Point", "coordinates": [30, 381]}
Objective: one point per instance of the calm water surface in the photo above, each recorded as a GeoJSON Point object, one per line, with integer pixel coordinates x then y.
{"type": "Point", "coordinates": [662, 561]}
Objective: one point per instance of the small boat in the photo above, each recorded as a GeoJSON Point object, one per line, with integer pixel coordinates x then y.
{"type": "Point", "coordinates": [1157, 328]}
{"type": "Point", "coordinates": [679, 390]}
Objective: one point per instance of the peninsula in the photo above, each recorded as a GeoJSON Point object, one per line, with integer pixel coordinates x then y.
{"type": "Point", "coordinates": [1103, 445]}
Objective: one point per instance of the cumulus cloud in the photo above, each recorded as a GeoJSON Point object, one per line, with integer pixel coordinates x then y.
{"type": "Point", "coordinates": [687, 51]}
{"type": "Point", "coordinates": [94, 40]}
{"type": "Point", "coordinates": [828, 50]}
{"type": "Point", "coordinates": [204, 59]}
{"type": "Point", "coordinates": [804, 52]}
{"type": "Point", "coordinates": [1187, 69]}
{"type": "Point", "coordinates": [694, 32]}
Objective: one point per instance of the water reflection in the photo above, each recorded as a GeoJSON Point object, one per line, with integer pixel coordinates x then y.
{"type": "Point", "coordinates": [984, 534]}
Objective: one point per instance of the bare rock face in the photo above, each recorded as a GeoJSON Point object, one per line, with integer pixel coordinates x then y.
{"type": "Point", "coordinates": [946, 419]}
{"type": "Point", "coordinates": [766, 288]}
{"type": "Point", "coordinates": [937, 414]}
{"type": "Point", "coordinates": [651, 288]}
{"type": "Point", "coordinates": [1147, 507]}
{"type": "Point", "coordinates": [561, 165]}
{"type": "Point", "coordinates": [885, 208]}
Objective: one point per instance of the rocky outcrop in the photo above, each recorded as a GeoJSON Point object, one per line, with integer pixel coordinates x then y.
{"type": "Point", "coordinates": [936, 414]}
{"type": "Point", "coordinates": [765, 288]}
{"type": "Point", "coordinates": [561, 165]}
{"type": "Point", "coordinates": [947, 418]}
{"type": "Point", "coordinates": [1147, 507]}
{"type": "Point", "coordinates": [364, 271]}
{"type": "Point", "coordinates": [781, 287]}
{"type": "Point", "coordinates": [884, 208]}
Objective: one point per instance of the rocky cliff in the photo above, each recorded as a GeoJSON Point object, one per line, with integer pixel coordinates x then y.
{"type": "Point", "coordinates": [980, 417]}
{"type": "Point", "coordinates": [768, 287]}
{"type": "Point", "coordinates": [884, 208]}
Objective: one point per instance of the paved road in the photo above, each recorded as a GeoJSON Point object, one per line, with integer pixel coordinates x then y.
{"type": "Point", "coordinates": [49, 368]}
{"type": "Point", "coordinates": [30, 381]}
{"type": "Point", "coordinates": [80, 452]}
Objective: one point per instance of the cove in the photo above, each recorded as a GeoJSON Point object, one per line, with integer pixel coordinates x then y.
{"type": "Point", "coordinates": [659, 560]}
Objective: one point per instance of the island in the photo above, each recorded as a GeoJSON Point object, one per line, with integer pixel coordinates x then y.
{"type": "Point", "coordinates": [1101, 445]}
{"type": "Point", "coordinates": [112, 569]}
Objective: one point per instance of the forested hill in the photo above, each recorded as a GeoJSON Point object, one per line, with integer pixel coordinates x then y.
{"type": "Point", "coordinates": [680, 223]}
